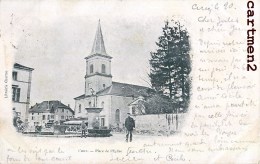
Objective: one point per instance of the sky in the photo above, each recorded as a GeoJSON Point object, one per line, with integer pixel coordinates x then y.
{"type": "Point", "coordinates": [54, 37]}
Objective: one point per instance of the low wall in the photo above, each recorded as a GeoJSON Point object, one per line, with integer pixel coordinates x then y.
{"type": "Point", "coordinates": [158, 124]}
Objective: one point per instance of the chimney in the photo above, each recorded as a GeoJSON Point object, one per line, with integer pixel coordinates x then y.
{"type": "Point", "coordinates": [69, 105]}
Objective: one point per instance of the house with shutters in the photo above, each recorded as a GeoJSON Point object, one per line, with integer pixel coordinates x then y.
{"type": "Point", "coordinates": [21, 90]}
{"type": "Point", "coordinates": [101, 92]}
{"type": "Point", "coordinates": [53, 112]}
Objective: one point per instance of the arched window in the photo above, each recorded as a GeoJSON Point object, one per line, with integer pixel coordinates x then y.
{"type": "Point", "coordinates": [102, 104]}
{"type": "Point", "coordinates": [91, 68]}
{"type": "Point", "coordinates": [79, 108]}
{"type": "Point", "coordinates": [117, 115]}
{"type": "Point", "coordinates": [103, 68]}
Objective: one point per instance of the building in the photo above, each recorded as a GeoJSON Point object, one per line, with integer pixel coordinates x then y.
{"type": "Point", "coordinates": [49, 112]}
{"type": "Point", "coordinates": [101, 92]}
{"type": "Point", "coordinates": [137, 106]}
{"type": "Point", "coordinates": [21, 89]}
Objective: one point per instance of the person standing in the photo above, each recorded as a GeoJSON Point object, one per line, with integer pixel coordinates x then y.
{"type": "Point", "coordinates": [83, 129]}
{"type": "Point", "coordinates": [130, 125]}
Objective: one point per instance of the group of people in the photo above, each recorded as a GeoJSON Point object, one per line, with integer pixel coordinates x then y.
{"type": "Point", "coordinates": [129, 125]}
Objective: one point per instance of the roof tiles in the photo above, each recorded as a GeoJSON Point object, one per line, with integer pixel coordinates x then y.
{"type": "Point", "coordinates": [48, 107]}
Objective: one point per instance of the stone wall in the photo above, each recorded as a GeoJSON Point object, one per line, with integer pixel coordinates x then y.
{"type": "Point", "coordinates": [158, 124]}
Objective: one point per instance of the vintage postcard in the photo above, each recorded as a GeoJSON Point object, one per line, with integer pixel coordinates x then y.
{"type": "Point", "coordinates": [123, 81]}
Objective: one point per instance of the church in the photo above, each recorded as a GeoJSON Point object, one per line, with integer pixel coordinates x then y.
{"type": "Point", "coordinates": [112, 99]}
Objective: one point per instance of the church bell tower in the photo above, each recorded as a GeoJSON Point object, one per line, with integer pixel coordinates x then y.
{"type": "Point", "coordinates": [98, 66]}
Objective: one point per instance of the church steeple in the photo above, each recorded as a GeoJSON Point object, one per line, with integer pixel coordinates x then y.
{"type": "Point", "coordinates": [98, 66]}
{"type": "Point", "coordinates": [98, 45]}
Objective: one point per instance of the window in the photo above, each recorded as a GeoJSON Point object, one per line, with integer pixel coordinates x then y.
{"type": "Point", "coordinates": [16, 94]}
{"type": "Point", "coordinates": [133, 110]}
{"type": "Point", "coordinates": [14, 75]}
{"type": "Point", "coordinates": [32, 113]}
{"type": "Point", "coordinates": [43, 117]}
{"type": "Point", "coordinates": [32, 117]}
{"type": "Point", "coordinates": [104, 85]}
{"type": "Point", "coordinates": [52, 116]}
{"type": "Point", "coordinates": [62, 110]}
{"type": "Point", "coordinates": [52, 108]}
{"type": "Point", "coordinates": [79, 108]}
{"type": "Point", "coordinates": [102, 121]}
{"type": "Point", "coordinates": [49, 116]}
{"type": "Point", "coordinates": [91, 68]}
{"type": "Point", "coordinates": [103, 68]}
{"type": "Point", "coordinates": [62, 117]}
{"type": "Point", "coordinates": [89, 104]}
{"type": "Point", "coordinates": [117, 115]}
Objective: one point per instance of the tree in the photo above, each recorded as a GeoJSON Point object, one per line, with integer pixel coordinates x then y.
{"type": "Point", "coordinates": [171, 64]}
{"type": "Point", "coordinates": [158, 104]}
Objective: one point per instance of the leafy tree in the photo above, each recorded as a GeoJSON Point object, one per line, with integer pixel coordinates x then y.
{"type": "Point", "coordinates": [158, 104]}
{"type": "Point", "coordinates": [171, 64]}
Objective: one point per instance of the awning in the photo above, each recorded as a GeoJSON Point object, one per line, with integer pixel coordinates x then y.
{"type": "Point", "coordinates": [74, 122]}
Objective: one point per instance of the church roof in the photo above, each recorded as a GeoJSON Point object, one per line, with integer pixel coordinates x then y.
{"type": "Point", "coordinates": [98, 45]}
{"type": "Point", "coordinates": [48, 107]}
{"type": "Point", "coordinates": [121, 89]}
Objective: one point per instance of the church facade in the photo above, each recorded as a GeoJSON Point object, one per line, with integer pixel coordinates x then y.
{"type": "Point", "coordinates": [101, 92]}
